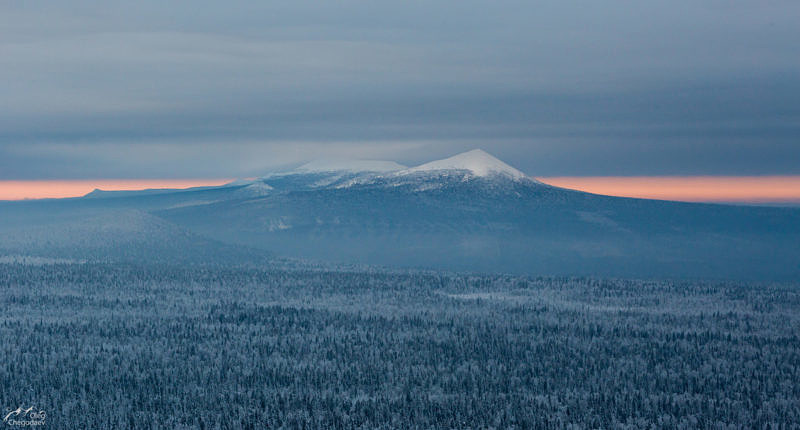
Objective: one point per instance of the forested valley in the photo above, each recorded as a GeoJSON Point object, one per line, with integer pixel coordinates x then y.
{"type": "Point", "coordinates": [104, 345]}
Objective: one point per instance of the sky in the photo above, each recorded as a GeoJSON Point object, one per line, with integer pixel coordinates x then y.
{"type": "Point", "coordinates": [201, 89]}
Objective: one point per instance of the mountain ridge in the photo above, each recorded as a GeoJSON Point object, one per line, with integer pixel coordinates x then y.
{"type": "Point", "coordinates": [477, 161]}
{"type": "Point", "coordinates": [452, 214]}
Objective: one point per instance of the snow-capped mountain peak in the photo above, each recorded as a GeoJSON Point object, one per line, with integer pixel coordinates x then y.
{"type": "Point", "coordinates": [478, 162]}
{"type": "Point", "coordinates": [352, 166]}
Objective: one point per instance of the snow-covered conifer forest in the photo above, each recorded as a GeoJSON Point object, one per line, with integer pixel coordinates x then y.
{"type": "Point", "coordinates": [121, 345]}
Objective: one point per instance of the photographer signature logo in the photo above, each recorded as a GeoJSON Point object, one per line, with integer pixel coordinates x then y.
{"type": "Point", "coordinates": [25, 417]}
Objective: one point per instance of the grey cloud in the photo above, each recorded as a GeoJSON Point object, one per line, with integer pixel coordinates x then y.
{"type": "Point", "coordinates": [616, 87]}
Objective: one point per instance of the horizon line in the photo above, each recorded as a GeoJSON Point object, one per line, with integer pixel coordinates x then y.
{"type": "Point", "coordinates": [762, 189]}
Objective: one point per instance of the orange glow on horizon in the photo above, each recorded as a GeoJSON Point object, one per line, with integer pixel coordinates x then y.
{"type": "Point", "coordinates": [733, 189]}
{"type": "Point", "coordinates": [20, 190]}
{"type": "Point", "coordinates": [744, 189]}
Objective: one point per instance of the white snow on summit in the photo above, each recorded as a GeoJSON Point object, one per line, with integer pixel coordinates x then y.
{"type": "Point", "coordinates": [257, 188]}
{"type": "Point", "coordinates": [354, 166]}
{"type": "Point", "coordinates": [477, 161]}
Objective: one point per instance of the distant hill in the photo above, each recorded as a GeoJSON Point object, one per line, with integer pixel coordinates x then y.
{"type": "Point", "coordinates": [468, 212]}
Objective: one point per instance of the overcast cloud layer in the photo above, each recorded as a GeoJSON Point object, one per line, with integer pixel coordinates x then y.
{"type": "Point", "coordinates": [222, 89]}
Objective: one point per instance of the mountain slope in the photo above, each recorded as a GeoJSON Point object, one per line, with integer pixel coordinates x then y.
{"type": "Point", "coordinates": [468, 212]}
{"type": "Point", "coordinates": [448, 216]}
{"type": "Point", "coordinates": [67, 229]}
